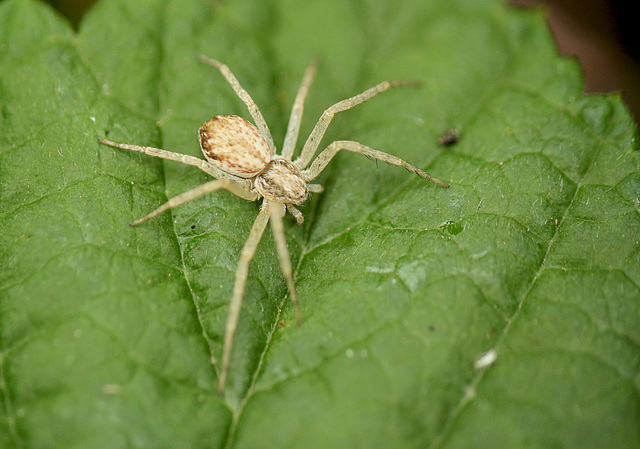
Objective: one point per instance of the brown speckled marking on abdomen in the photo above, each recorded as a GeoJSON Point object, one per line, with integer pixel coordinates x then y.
{"type": "Point", "coordinates": [234, 145]}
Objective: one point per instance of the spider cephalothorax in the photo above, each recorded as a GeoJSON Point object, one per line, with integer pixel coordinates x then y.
{"type": "Point", "coordinates": [282, 182]}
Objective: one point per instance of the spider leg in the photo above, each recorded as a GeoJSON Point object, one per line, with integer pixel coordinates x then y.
{"type": "Point", "coordinates": [246, 99]}
{"type": "Point", "coordinates": [296, 112]}
{"type": "Point", "coordinates": [315, 188]}
{"type": "Point", "coordinates": [311, 145]}
{"type": "Point", "coordinates": [242, 272]}
{"type": "Point", "coordinates": [202, 189]}
{"type": "Point", "coordinates": [328, 153]}
{"type": "Point", "coordinates": [277, 227]}
{"type": "Point", "coordinates": [296, 213]}
{"type": "Point", "coordinates": [179, 157]}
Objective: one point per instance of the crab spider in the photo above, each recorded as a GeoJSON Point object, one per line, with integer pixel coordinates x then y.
{"type": "Point", "coordinates": [243, 160]}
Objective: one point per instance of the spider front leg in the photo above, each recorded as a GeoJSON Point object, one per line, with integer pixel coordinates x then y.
{"type": "Point", "coordinates": [268, 212]}
{"type": "Point", "coordinates": [242, 272]}
{"type": "Point", "coordinates": [277, 227]}
{"type": "Point", "coordinates": [328, 153]}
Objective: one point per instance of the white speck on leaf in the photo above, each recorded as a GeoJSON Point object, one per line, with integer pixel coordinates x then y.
{"type": "Point", "coordinates": [486, 359]}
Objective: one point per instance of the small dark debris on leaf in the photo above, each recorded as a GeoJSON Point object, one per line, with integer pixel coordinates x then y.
{"type": "Point", "coordinates": [449, 138]}
{"type": "Point", "coordinates": [193, 226]}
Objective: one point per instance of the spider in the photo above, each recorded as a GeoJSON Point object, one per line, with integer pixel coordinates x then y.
{"type": "Point", "coordinates": [243, 159]}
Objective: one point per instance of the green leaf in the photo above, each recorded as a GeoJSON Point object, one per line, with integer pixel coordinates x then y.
{"type": "Point", "coordinates": [109, 335]}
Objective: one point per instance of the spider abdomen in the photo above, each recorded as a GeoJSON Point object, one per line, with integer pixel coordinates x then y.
{"type": "Point", "coordinates": [234, 145]}
{"type": "Point", "coordinates": [282, 182]}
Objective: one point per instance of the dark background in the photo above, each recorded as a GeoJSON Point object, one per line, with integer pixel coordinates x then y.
{"type": "Point", "coordinates": [601, 35]}
{"type": "Point", "coordinates": [598, 32]}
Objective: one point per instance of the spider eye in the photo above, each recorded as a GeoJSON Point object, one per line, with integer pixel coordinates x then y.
{"type": "Point", "coordinates": [234, 145]}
